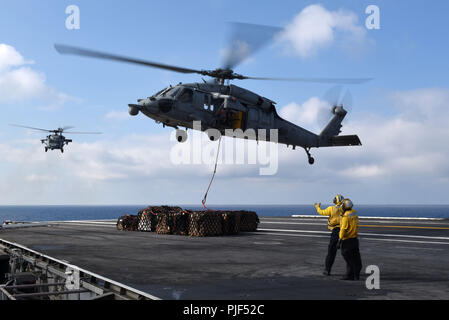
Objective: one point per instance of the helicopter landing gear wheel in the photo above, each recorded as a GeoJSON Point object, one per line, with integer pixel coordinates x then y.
{"type": "Point", "coordinates": [213, 134]}
{"type": "Point", "coordinates": [46, 149]}
{"type": "Point", "coordinates": [311, 159]}
{"type": "Point", "coordinates": [62, 150]}
{"type": "Point", "coordinates": [181, 135]}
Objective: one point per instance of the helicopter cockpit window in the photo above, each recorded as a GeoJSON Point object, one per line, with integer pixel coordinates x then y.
{"type": "Point", "coordinates": [173, 93]}
{"type": "Point", "coordinates": [186, 96]}
{"type": "Point", "coordinates": [163, 91]}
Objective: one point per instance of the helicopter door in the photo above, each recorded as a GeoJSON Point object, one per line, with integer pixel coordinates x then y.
{"type": "Point", "coordinates": [235, 119]}
{"type": "Point", "coordinates": [253, 119]}
{"type": "Point", "coordinates": [236, 114]}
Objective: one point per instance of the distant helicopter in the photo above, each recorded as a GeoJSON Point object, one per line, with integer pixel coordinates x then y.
{"type": "Point", "coordinates": [56, 140]}
{"type": "Point", "coordinates": [225, 106]}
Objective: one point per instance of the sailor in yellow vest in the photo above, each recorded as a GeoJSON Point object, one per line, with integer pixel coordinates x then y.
{"type": "Point", "coordinates": [334, 214]}
{"type": "Point", "coordinates": [349, 242]}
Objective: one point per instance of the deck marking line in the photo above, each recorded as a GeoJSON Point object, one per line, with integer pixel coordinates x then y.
{"type": "Point", "coordinates": [360, 233]}
{"type": "Point", "coordinates": [360, 225]}
{"type": "Point", "coordinates": [363, 238]}
{"type": "Point", "coordinates": [405, 227]}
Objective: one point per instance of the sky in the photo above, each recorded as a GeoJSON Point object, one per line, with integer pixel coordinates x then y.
{"type": "Point", "coordinates": [401, 115]}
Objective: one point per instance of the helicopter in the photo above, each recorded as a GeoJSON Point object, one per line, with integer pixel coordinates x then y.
{"type": "Point", "coordinates": [55, 141]}
{"type": "Point", "coordinates": [219, 105]}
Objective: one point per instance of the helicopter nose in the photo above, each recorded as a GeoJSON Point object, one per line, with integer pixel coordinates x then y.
{"type": "Point", "coordinates": [160, 105]}
{"type": "Point", "coordinates": [152, 106]}
{"type": "Point", "coordinates": [134, 109]}
{"type": "Point", "coordinates": [165, 105]}
{"type": "Point", "coordinates": [143, 105]}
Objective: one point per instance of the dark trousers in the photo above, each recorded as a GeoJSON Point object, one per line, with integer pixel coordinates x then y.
{"type": "Point", "coordinates": [332, 249]}
{"type": "Point", "coordinates": [351, 254]}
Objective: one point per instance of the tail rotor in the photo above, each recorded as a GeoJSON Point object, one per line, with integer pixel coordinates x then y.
{"type": "Point", "coordinates": [337, 101]}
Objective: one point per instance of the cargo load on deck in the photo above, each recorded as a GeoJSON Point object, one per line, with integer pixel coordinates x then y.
{"type": "Point", "coordinates": [175, 220]}
{"type": "Point", "coordinates": [127, 223]}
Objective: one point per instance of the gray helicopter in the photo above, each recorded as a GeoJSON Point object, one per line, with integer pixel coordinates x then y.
{"type": "Point", "coordinates": [220, 105]}
{"type": "Point", "coordinates": [55, 141]}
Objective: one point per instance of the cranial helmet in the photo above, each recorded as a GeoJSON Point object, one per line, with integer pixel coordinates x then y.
{"type": "Point", "coordinates": [347, 204]}
{"type": "Point", "coordinates": [338, 199]}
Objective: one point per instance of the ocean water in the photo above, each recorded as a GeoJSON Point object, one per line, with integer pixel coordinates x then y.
{"type": "Point", "coordinates": [63, 213]}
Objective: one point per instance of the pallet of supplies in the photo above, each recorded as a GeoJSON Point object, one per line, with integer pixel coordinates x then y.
{"type": "Point", "coordinates": [180, 222]}
{"type": "Point", "coordinates": [164, 223]}
{"type": "Point", "coordinates": [165, 218]}
{"type": "Point", "coordinates": [205, 224]}
{"type": "Point", "coordinates": [248, 221]}
{"type": "Point", "coordinates": [147, 221]}
{"type": "Point", "coordinates": [154, 219]}
{"type": "Point", "coordinates": [175, 220]}
{"type": "Point", "coordinates": [127, 223]}
{"type": "Point", "coordinates": [230, 222]}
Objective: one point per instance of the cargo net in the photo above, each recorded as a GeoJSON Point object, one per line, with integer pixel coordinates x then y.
{"type": "Point", "coordinates": [205, 223]}
{"type": "Point", "coordinates": [127, 223]}
{"type": "Point", "coordinates": [175, 220]}
{"type": "Point", "coordinates": [248, 221]}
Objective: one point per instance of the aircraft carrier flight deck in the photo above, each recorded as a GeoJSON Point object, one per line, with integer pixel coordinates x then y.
{"type": "Point", "coordinates": [282, 260]}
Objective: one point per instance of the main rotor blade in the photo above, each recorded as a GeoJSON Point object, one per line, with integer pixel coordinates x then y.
{"type": "Point", "coordinates": [17, 125]}
{"type": "Point", "coordinates": [64, 49]}
{"type": "Point", "coordinates": [315, 80]}
{"type": "Point", "coordinates": [244, 40]}
{"type": "Point", "coordinates": [69, 132]}
{"type": "Point", "coordinates": [67, 128]}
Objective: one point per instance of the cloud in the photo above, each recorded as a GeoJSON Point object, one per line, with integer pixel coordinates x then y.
{"type": "Point", "coordinates": [412, 143]}
{"type": "Point", "coordinates": [363, 171]}
{"type": "Point", "coordinates": [429, 104]}
{"type": "Point", "coordinates": [39, 178]}
{"type": "Point", "coordinates": [312, 114]}
{"type": "Point", "coordinates": [117, 115]}
{"type": "Point", "coordinates": [9, 57]}
{"type": "Point", "coordinates": [20, 83]}
{"type": "Point", "coordinates": [316, 28]}
{"type": "Point", "coordinates": [409, 145]}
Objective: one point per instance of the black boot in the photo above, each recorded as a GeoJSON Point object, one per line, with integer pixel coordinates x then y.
{"type": "Point", "coordinates": [326, 273]}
